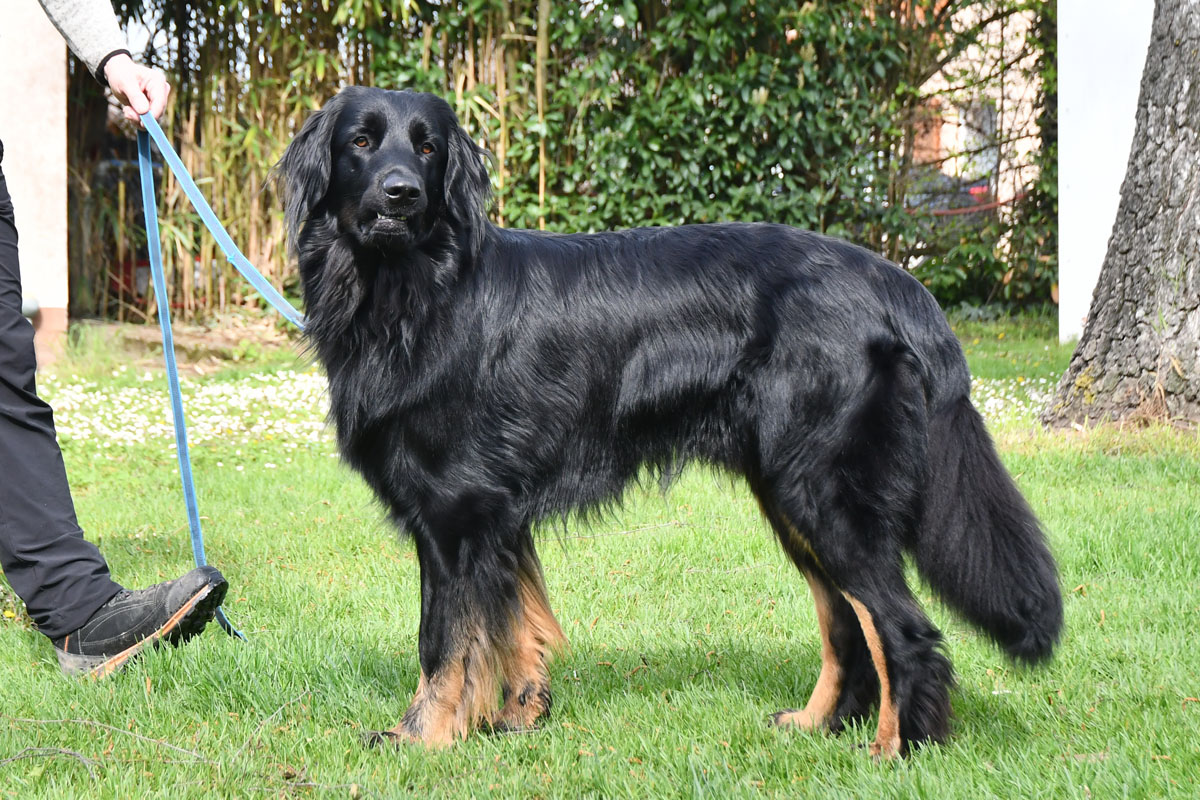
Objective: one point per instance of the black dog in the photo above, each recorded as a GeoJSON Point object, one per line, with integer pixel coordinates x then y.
{"type": "Point", "coordinates": [483, 379]}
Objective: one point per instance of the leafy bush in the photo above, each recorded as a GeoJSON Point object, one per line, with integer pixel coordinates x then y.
{"type": "Point", "coordinates": [648, 112]}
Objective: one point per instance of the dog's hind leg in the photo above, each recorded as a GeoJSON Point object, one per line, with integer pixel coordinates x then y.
{"type": "Point", "coordinates": [858, 506]}
{"type": "Point", "coordinates": [846, 687]}
{"type": "Point", "coordinates": [885, 646]}
{"type": "Point", "coordinates": [887, 735]}
{"type": "Point", "coordinates": [877, 644]}
{"type": "Point", "coordinates": [864, 509]}
{"type": "Point", "coordinates": [525, 684]}
{"type": "Point", "coordinates": [823, 701]}
{"type": "Point", "coordinates": [914, 677]}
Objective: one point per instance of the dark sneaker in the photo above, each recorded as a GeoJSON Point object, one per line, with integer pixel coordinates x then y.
{"type": "Point", "coordinates": [171, 612]}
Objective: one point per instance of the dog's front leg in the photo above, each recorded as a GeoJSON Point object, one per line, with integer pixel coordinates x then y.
{"type": "Point", "coordinates": [461, 587]}
{"type": "Point", "coordinates": [535, 635]}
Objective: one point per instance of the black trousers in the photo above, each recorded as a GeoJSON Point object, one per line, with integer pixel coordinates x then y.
{"type": "Point", "coordinates": [60, 575]}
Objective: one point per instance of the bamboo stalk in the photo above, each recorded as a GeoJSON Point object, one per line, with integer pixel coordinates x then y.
{"type": "Point", "coordinates": [500, 60]}
{"type": "Point", "coordinates": [426, 46]}
{"type": "Point", "coordinates": [121, 254]}
{"type": "Point", "coordinates": [543, 53]}
{"type": "Point", "coordinates": [469, 53]}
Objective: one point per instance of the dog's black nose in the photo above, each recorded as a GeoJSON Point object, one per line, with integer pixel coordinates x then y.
{"type": "Point", "coordinates": [401, 187]}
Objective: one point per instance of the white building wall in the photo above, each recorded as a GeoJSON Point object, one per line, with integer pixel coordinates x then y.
{"type": "Point", "coordinates": [1101, 53]}
{"type": "Point", "coordinates": [33, 127]}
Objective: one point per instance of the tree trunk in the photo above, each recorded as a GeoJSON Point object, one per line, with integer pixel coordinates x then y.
{"type": "Point", "coordinates": [1139, 356]}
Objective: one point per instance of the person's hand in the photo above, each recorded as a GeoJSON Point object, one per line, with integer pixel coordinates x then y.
{"type": "Point", "coordinates": [137, 88]}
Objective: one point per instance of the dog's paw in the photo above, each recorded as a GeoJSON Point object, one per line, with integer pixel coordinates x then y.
{"type": "Point", "coordinates": [883, 752]}
{"type": "Point", "coordinates": [399, 737]}
{"type": "Point", "coordinates": [797, 718]}
{"type": "Point", "coordinates": [506, 727]}
{"type": "Point", "coordinates": [523, 711]}
{"type": "Point", "coordinates": [386, 739]}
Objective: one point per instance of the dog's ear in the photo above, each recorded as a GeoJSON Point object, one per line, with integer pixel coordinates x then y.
{"type": "Point", "coordinates": [468, 187]}
{"type": "Point", "coordinates": [305, 166]}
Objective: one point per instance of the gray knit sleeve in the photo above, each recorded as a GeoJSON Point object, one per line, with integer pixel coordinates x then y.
{"type": "Point", "coordinates": [90, 28]}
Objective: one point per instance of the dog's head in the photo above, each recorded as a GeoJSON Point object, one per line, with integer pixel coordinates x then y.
{"type": "Point", "coordinates": [393, 170]}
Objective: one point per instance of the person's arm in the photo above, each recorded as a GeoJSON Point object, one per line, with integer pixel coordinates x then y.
{"type": "Point", "coordinates": [94, 36]}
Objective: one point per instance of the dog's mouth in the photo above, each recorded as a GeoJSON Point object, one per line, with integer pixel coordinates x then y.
{"type": "Point", "coordinates": [388, 228]}
{"type": "Point", "coordinates": [386, 222]}
{"type": "Point", "coordinates": [382, 227]}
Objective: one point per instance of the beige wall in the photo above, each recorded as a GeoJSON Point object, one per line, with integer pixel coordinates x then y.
{"type": "Point", "coordinates": [1014, 97]}
{"type": "Point", "coordinates": [33, 126]}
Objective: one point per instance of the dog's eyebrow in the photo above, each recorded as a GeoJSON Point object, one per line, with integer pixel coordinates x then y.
{"type": "Point", "coordinates": [375, 116]}
{"type": "Point", "coordinates": [419, 128]}
{"type": "Point", "coordinates": [371, 119]}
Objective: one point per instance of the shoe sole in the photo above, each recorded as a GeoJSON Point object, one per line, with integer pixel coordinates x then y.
{"type": "Point", "coordinates": [189, 620]}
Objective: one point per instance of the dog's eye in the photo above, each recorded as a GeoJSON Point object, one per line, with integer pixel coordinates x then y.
{"type": "Point", "coordinates": [427, 148]}
{"type": "Point", "coordinates": [361, 141]}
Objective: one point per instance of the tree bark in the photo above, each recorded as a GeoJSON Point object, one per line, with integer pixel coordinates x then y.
{"type": "Point", "coordinates": [1139, 356]}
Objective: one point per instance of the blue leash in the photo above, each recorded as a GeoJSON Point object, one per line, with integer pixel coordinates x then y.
{"type": "Point", "coordinates": [239, 261]}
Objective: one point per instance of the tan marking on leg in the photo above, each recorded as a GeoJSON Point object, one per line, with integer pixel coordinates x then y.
{"type": "Point", "coordinates": [448, 704]}
{"type": "Point", "coordinates": [887, 736]}
{"type": "Point", "coordinates": [539, 618]}
{"type": "Point", "coordinates": [799, 542]}
{"type": "Point", "coordinates": [536, 634]}
{"type": "Point", "coordinates": [795, 544]}
{"type": "Point", "coordinates": [823, 701]}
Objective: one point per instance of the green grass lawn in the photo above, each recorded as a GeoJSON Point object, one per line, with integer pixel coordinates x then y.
{"type": "Point", "coordinates": [687, 626]}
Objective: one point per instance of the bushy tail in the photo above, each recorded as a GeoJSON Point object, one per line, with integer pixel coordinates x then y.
{"type": "Point", "coordinates": [980, 546]}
